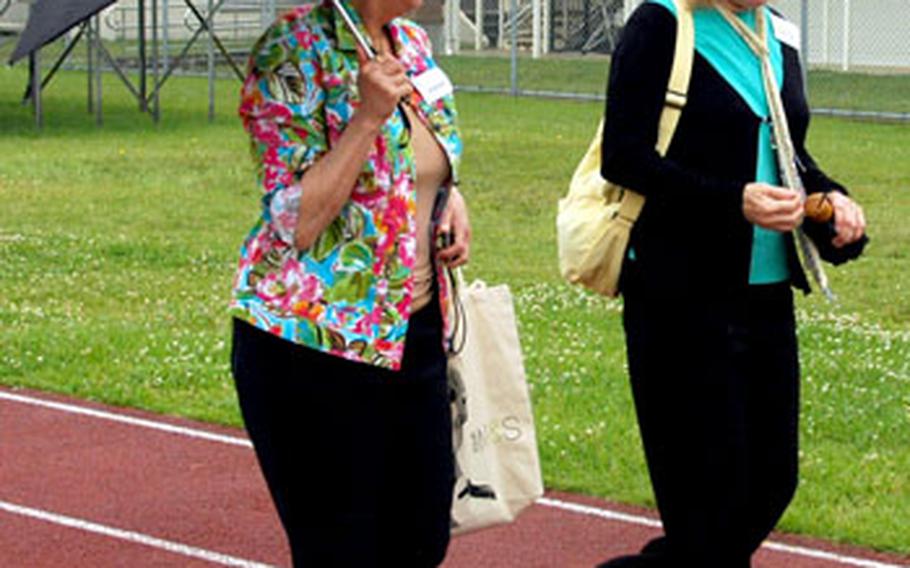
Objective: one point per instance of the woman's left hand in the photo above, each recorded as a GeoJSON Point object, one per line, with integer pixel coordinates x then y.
{"type": "Point", "coordinates": [455, 222]}
{"type": "Point", "coordinates": [849, 220]}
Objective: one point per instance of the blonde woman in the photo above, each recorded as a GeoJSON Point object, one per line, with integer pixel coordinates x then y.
{"type": "Point", "coordinates": [339, 299]}
{"type": "Point", "coordinates": [707, 283]}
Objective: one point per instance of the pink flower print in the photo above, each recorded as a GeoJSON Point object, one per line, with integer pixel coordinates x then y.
{"type": "Point", "coordinates": [276, 111]}
{"type": "Point", "coordinates": [270, 290]}
{"type": "Point", "coordinates": [266, 132]}
{"type": "Point", "coordinates": [311, 288]}
{"type": "Point", "coordinates": [404, 306]}
{"type": "Point", "coordinates": [390, 350]}
{"type": "Point", "coordinates": [407, 249]}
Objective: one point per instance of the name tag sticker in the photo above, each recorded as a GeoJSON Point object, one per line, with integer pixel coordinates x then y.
{"type": "Point", "coordinates": [787, 32]}
{"type": "Point", "coordinates": [433, 84]}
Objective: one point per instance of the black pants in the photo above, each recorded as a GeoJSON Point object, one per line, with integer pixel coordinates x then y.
{"type": "Point", "coordinates": [716, 389]}
{"type": "Point", "coordinates": [358, 459]}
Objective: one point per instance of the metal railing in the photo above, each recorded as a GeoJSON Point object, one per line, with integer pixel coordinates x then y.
{"type": "Point", "coordinates": [9, 27]}
{"type": "Point", "coordinates": [585, 26]}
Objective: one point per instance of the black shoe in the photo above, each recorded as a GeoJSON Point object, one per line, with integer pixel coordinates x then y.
{"type": "Point", "coordinates": [656, 547]}
{"type": "Point", "coordinates": [633, 561]}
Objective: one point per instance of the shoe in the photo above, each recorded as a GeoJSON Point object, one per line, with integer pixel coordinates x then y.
{"type": "Point", "coordinates": [651, 556]}
{"type": "Point", "coordinates": [656, 547]}
{"type": "Point", "coordinates": [632, 561]}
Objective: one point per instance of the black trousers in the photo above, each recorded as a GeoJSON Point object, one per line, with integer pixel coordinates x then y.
{"type": "Point", "coordinates": [716, 390]}
{"type": "Point", "coordinates": [358, 459]}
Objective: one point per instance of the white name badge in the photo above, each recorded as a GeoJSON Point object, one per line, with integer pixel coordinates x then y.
{"type": "Point", "coordinates": [787, 32]}
{"type": "Point", "coordinates": [433, 84]}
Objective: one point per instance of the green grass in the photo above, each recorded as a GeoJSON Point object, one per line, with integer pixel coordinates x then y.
{"type": "Point", "coordinates": [117, 248]}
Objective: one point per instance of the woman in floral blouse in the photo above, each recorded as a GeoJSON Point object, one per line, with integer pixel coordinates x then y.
{"type": "Point", "coordinates": [340, 299]}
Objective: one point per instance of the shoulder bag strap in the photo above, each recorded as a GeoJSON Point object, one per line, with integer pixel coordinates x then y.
{"type": "Point", "coordinates": [677, 93]}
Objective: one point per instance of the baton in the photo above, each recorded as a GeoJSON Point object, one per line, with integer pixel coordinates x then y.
{"type": "Point", "coordinates": [349, 22]}
{"type": "Point", "coordinates": [371, 54]}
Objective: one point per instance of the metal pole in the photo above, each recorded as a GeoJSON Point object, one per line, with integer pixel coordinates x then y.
{"type": "Point", "coordinates": [535, 29]}
{"type": "Point", "coordinates": [565, 23]}
{"type": "Point", "coordinates": [455, 22]}
{"type": "Point", "coordinates": [99, 116]}
{"type": "Point", "coordinates": [143, 62]}
{"type": "Point", "coordinates": [547, 26]}
{"type": "Point", "coordinates": [70, 45]}
{"type": "Point", "coordinates": [826, 50]}
{"type": "Point", "coordinates": [514, 56]}
{"type": "Point", "coordinates": [501, 23]}
{"type": "Point", "coordinates": [447, 27]}
{"type": "Point", "coordinates": [166, 32]}
{"type": "Point", "coordinates": [34, 64]}
{"type": "Point", "coordinates": [211, 59]}
{"type": "Point", "coordinates": [478, 25]}
{"type": "Point", "coordinates": [845, 63]}
{"type": "Point", "coordinates": [804, 24]}
{"type": "Point", "coordinates": [156, 102]}
{"type": "Point", "coordinates": [586, 28]}
{"type": "Point", "coordinates": [90, 57]}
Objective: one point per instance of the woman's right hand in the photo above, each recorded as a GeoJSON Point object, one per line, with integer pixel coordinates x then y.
{"type": "Point", "coordinates": [771, 207]}
{"type": "Point", "coordinates": [382, 84]}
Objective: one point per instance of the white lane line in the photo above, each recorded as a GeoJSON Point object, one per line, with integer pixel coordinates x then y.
{"type": "Point", "coordinates": [130, 536]}
{"type": "Point", "coordinates": [824, 555]}
{"type": "Point", "coordinates": [544, 501]}
{"type": "Point", "coordinates": [770, 545]}
{"type": "Point", "coordinates": [125, 419]}
{"type": "Point", "coordinates": [599, 512]}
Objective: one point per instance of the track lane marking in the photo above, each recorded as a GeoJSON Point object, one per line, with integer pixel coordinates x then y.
{"type": "Point", "coordinates": [126, 419]}
{"type": "Point", "coordinates": [543, 501]}
{"type": "Point", "coordinates": [769, 544]}
{"type": "Point", "coordinates": [130, 536]}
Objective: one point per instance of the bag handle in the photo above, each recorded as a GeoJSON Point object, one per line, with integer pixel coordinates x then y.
{"type": "Point", "coordinates": [459, 317]}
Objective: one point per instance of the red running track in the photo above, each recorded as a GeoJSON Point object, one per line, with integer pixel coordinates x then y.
{"type": "Point", "coordinates": [86, 485]}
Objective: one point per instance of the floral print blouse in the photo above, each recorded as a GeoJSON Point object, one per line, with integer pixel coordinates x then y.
{"type": "Point", "coordinates": [350, 293]}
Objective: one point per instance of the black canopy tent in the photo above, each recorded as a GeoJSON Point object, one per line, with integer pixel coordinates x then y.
{"type": "Point", "coordinates": [50, 19]}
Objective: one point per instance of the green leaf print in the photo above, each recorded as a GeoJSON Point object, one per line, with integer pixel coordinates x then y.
{"type": "Point", "coordinates": [357, 222]}
{"type": "Point", "coordinates": [350, 288]}
{"type": "Point", "coordinates": [398, 277]}
{"type": "Point", "coordinates": [356, 257]}
{"type": "Point", "coordinates": [328, 241]}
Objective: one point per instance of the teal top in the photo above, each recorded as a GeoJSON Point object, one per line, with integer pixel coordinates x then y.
{"type": "Point", "coordinates": [722, 47]}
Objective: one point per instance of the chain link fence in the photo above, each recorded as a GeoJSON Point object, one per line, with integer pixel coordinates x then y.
{"type": "Point", "coordinates": [858, 50]}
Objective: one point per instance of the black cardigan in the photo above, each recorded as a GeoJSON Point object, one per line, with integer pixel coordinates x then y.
{"type": "Point", "coordinates": [692, 237]}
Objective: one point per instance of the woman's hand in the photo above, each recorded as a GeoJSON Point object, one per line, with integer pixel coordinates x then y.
{"type": "Point", "coordinates": [382, 84]}
{"type": "Point", "coordinates": [849, 220]}
{"type": "Point", "coordinates": [775, 208]}
{"type": "Point", "coordinates": [455, 221]}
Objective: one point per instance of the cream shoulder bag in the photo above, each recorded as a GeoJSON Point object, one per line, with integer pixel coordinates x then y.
{"type": "Point", "coordinates": [596, 217]}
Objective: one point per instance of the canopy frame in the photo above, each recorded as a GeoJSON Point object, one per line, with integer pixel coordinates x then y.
{"type": "Point", "coordinates": [145, 92]}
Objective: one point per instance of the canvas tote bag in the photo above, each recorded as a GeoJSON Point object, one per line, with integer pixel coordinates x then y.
{"type": "Point", "coordinates": [497, 466]}
{"type": "Point", "coordinates": [595, 218]}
